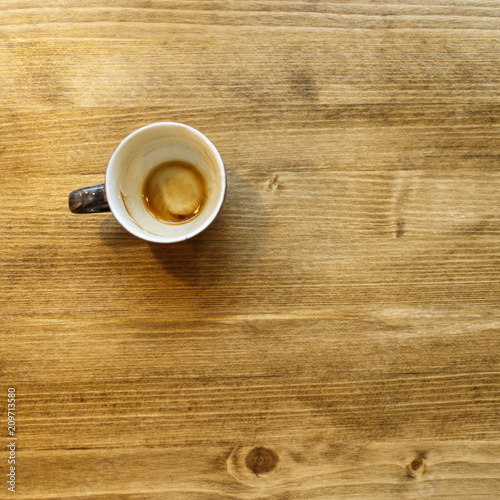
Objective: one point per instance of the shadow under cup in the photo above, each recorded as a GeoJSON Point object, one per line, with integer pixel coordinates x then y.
{"type": "Point", "coordinates": [138, 155]}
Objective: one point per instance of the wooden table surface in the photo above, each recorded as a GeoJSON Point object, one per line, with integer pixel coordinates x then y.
{"type": "Point", "coordinates": [335, 333]}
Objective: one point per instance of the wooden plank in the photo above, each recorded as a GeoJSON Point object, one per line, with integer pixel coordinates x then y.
{"type": "Point", "coordinates": [318, 467]}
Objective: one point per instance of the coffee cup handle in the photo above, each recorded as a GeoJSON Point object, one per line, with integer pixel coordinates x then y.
{"type": "Point", "coordinates": [89, 200]}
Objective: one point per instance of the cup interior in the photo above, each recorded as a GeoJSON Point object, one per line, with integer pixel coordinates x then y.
{"type": "Point", "coordinates": [138, 155]}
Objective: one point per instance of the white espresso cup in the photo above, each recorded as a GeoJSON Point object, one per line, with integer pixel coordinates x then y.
{"type": "Point", "coordinates": [132, 162]}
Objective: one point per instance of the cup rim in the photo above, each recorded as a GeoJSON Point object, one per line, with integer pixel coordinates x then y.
{"type": "Point", "coordinates": [126, 221]}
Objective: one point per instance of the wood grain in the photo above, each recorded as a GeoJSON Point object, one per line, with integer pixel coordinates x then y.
{"type": "Point", "coordinates": [335, 333]}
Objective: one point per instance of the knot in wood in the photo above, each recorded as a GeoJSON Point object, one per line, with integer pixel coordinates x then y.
{"type": "Point", "coordinates": [261, 460]}
{"type": "Point", "coordinates": [416, 464]}
{"type": "Point", "coordinates": [416, 467]}
{"type": "Point", "coordinates": [274, 182]}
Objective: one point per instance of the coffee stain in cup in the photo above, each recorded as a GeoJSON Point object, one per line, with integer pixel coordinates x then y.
{"type": "Point", "coordinates": [175, 192]}
{"type": "Point", "coordinates": [128, 207]}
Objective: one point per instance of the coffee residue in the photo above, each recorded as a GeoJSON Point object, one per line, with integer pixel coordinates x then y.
{"type": "Point", "coordinates": [174, 192]}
